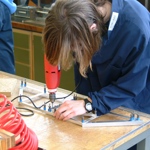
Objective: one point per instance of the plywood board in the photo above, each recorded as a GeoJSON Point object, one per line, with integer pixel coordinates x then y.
{"type": "Point", "coordinates": [7, 140]}
{"type": "Point", "coordinates": [7, 86]}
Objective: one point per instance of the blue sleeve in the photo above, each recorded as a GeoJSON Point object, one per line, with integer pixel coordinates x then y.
{"type": "Point", "coordinates": [134, 73]}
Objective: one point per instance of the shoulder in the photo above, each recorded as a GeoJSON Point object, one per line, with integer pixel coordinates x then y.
{"type": "Point", "coordinates": [132, 16]}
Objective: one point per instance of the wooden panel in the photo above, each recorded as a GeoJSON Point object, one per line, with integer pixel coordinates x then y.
{"type": "Point", "coordinates": [23, 53]}
{"type": "Point", "coordinates": [7, 140]}
{"type": "Point", "coordinates": [22, 56]}
{"type": "Point", "coordinates": [23, 70]}
{"type": "Point", "coordinates": [24, 26]}
{"type": "Point", "coordinates": [38, 60]}
{"type": "Point", "coordinates": [22, 40]}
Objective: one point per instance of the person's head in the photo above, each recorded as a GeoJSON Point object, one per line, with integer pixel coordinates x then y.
{"type": "Point", "coordinates": [72, 32]}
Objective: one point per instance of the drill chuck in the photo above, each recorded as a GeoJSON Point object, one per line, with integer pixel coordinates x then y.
{"type": "Point", "coordinates": [52, 97]}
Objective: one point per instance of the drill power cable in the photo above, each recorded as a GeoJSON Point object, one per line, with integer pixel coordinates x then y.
{"type": "Point", "coordinates": [72, 91]}
{"type": "Point", "coordinates": [31, 112]}
{"type": "Point", "coordinates": [20, 96]}
{"type": "Point", "coordinates": [28, 112]}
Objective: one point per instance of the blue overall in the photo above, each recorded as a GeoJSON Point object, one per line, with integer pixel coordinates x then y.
{"type": "Point", "coordinates": [6, 37]}
{"type": "Point", "coordinates": [121, 68]}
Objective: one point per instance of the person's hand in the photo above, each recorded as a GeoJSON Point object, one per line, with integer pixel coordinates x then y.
{"type": "Point", "coordinates": [70, 109]}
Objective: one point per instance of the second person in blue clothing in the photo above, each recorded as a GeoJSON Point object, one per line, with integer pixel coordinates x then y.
{"type": "Point", "coordinates": [108, 42]}
{"type": "Point", "coordinates": [7, 60]}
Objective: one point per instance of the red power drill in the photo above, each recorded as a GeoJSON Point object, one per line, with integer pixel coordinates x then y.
{"type": "Point", "coordinates": [52, 78]}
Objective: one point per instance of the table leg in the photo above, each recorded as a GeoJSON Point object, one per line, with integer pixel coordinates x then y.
{"type": "Point", "coordinates": [144, 144]}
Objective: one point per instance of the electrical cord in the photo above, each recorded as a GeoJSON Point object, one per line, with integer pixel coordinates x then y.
{"type": "Point", "coordinates": [11, 121]}
{"type": "Point", "coordinates": [20, 96]}
{"type": "Point", "coordinates": [31, 112]}
{"type": "Point", "coordinates": [72, 91]}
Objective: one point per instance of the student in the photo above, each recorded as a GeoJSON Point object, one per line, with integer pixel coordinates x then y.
{"type": "Point", "coordinates": [110, 45]}
{"type": "Point", "coordinates": [7, 7]}
{"type": "Point", "coordinates": [109, 41]}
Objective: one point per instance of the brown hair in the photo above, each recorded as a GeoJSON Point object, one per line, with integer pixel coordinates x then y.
{"type": "Point", "coordinates": [67, 35]}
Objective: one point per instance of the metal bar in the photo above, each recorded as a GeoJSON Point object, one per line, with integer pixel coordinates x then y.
{"type": "Point", "coordinates": [112, 124]}
{"type": "Point", "coordinates": [31, 88]}
{"type": "Point", "coordinates": [119, 115]}
{"type": "Point", "coordinates": [126, 135]}
{"type": "Point", "coordinates": [32, 97]}
{"type": "Point", "coordinates": [134, 112]}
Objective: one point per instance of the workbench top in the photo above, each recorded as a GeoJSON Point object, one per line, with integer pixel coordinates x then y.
{"type": "Point", "coordinates": [64, 135]}
{"type": "Point", "coordinates": [26, 24]}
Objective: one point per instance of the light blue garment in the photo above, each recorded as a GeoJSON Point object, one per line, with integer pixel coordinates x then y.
{"type": "Point", "coordinates": [10, 4]}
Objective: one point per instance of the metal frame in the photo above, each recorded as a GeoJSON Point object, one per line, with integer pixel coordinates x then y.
{"type": "Point", "coordinates": [86, 120]}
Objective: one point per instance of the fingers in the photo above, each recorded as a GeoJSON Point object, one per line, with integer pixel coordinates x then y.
{"type": "Point", "coordinates": [65, 115]}
{"type": "Point", "coordinates": [58, 113]}
{"type": "Point", "coordinates": [70, 109]}
{"type": "Point", "coordinates": [71, 115]}
{"type": "Point", "coordinates": [63, 112]}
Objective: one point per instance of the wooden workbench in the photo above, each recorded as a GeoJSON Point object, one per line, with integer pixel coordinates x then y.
{"type": "Point", "coordinates": [18, 23]}
{"type": "Point", "coordinates": [63, 135]}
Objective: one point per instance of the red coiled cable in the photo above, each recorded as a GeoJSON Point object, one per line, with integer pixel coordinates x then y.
{"type": "Point", "coordinates": [11, 121]}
